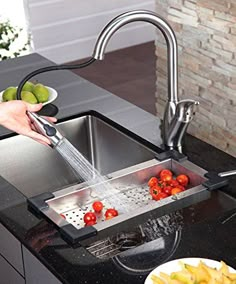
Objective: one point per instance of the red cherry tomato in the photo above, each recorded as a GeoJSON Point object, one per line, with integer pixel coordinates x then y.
{"type": "Point", "coordinates": [110, 213]}
{"type": "Point", "coordinates": [109, 217]}
{"type": "Point", "coordinates": [176, 190]}
{"type": "Point", "coordinates": [162, 184]}
{"type": "Point", "coordinates": [90, 223]}
{"type": "Point", "coordinates": [89, 217]}
{"type": "Point", "coordinates": [182, 180]}
{"type": "Point", "coordinates": [166, 178]}
{"type": "Point", "coordinates": [181, 187]}
{"type": "Point", "coordinates": [97, 206]}
{"type": "Point", "coordinates": [161, 195]}
{"type": "Point", "coordinates": [152, 181]}
{"type": "Point", "coordinates": [167, 190]}
{"type": "Point", "coordinates": [155, 190]}
{"type": "Point", "coordinates": [173, 183]}
{"type": "Point", "coordinates": [165, 172]}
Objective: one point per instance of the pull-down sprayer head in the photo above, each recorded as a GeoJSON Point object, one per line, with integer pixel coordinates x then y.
{"type": "Point", "coordinates": [46, 128]}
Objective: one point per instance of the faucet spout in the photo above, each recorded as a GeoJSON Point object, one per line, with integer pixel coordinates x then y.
{"type": "Point", "coordinates": [163, 26]}
{"type": "Point", "coordinates": [172, 60]}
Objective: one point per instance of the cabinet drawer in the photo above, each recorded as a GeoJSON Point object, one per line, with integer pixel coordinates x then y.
{"type": "Point", "coordinates": [8, 274]}
{"type": "Point", "coordinates": [10, 248]}
{"type": "Point", "coordinates": [35, 271]}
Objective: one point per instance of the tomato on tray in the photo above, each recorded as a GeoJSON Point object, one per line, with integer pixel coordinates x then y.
{"type": "Point", "coordinates": [89, 217]}
{"type": "Point", "coordinates": [110, 213]}
{"type": "Point", "coordinates": [161, 195]}
{"type": "Point", "coordinates": [181, 187]}
{"type": "Point", "coordinates": [166, 178]}
{"type": "Point", "coordinates": [90, 223]}
{"type": "Point", "coordinates": [165, 184]}
{"type": "Point", "coordinates": [182, 180]}
{"type": "Point", "coordinates": [152, 181]}
{"type": "Point", "coordinates": [176, 190]}
{"type": "Point", "coordinates": [155, 190]}
{"type": "Point", "coordinates": [165, 172]}
{"type": "Point", "coordinates": [97, 206]}
{"type": "Point", "coordinates": [174, 183]}
{"type": "Point", "coordinates": [63, 216]}
{"type": "Point", "coordinates": [162, 184]}
{"type": "Point", "coordinates": [167, 189]}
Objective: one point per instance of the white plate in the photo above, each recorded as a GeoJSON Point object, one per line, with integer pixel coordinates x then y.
{"type": "Point", "coordinates": [51, 98]}
{"type": "Point", "coordinates": [174, 265]}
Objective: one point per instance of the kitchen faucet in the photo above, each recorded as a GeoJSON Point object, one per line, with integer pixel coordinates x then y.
{"type": "Point", "coordinates": [177, 113]}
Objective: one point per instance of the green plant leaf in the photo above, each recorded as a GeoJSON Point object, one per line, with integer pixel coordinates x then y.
{"type": "Point", "coordinates": [9, 34]}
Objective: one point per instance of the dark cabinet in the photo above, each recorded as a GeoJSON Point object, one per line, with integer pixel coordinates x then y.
{"type": "Point", "coordinates": [35, 271]}
{"type": "Point", "coordinates": [10, 249]}
{"type": "Point", "coordinates": [8, 274]}
{"type": "Point", "coordinates": [18, 265]}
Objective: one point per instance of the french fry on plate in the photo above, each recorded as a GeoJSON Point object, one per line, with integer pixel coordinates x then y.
{"type": "Point", "coordinates": [200, 274]}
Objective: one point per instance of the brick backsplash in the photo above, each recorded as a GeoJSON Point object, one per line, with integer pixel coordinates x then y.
{"type": "Point", "coordinates": [206, 34]}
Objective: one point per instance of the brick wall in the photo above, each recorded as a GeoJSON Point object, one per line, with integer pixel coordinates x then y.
{"type": "Point", "coordinates": [206, 34]}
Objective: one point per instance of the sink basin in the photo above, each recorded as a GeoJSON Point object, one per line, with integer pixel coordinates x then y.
{"type": "Point", "coordinates": [33, 168]}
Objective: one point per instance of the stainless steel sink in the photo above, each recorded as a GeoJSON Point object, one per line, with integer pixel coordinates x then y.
{"type": "Point", "coordinates": [34, 169]}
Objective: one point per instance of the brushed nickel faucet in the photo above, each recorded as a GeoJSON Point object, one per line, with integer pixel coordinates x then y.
{"type": "Point", "coordinates": [177, 113]}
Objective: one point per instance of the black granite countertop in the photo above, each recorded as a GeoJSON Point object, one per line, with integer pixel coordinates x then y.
{"type": "Point", "coordinates": [206, 229]}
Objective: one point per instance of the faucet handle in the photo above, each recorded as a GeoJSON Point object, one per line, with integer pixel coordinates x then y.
{"type": "Point", "coordinates": [184, 113]}
{"type": "Point", "coordinates": [185, 110]}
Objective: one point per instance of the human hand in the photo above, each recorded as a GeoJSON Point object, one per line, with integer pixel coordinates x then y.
{"type": "Point", "coordinates": [13, 115]}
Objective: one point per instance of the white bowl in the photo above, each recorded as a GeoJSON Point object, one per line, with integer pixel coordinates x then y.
{"type": "Point", "coordinates": [174, 265]}
{"type": "Point", "coordinates": [51, 98]}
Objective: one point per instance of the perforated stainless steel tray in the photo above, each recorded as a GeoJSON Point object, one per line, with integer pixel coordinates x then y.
{"type": "Point", "coordinates": [130, 186]}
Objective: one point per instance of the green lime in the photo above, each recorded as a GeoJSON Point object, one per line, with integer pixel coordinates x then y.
{"type": "Point", "coordinates": [28, 86]}
{"type": "Point", "coordinates": [28, 97]}
{"type": "Point", "coordinates": [41, 93]}
{"type": "Point", "coordinates": [9, 94]}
